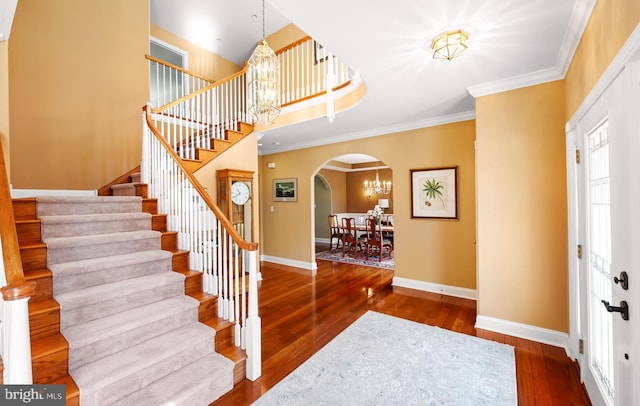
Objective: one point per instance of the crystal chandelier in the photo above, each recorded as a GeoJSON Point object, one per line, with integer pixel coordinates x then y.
{"type": "Point", "coordinates": [263, 89]}
{"type": "Point", "coordinates": [376, 186]}
{"type": "Point", "coordinates": [449, 45]}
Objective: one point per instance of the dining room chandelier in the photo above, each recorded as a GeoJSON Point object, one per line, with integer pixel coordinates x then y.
{"type": "Point", "coordinates": [263, 89]}
{"type": "Point", "coordinates": [376, 186]}
{"type": "Point", "coordinates": [449, 45]}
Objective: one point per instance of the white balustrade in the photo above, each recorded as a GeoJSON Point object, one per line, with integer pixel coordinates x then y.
{"type": "Point", "coordinates": [216, 249]}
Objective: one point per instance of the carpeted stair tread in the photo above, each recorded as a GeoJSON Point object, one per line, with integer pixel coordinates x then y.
{"type": "Point", "coordinates": [98, 338]}
{"type": "Point", "coordinates": [60, 205]}
{"type": "Point", "coordinates": [133, 335]}
{"type": "Point", "coordinates": [66, 249]}
{"type": "Point", "coordinates": [180, 387]}
{"type": "Point", "coordinates": [124, 189]}
{"type": "Point", "coordinates": [113, 377]}
{"type": "Point", "coordinates": [84, 224]}
{"type": "Point", "coordinates": [96, 271]}
{"type": "Point", "coordinates": [98, 301]}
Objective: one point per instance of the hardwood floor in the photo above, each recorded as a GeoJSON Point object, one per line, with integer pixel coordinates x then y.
{"type": "Point", "coordinates": [301, 313]}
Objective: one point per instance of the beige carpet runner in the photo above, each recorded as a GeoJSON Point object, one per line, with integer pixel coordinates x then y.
{"type": "Point", "coordinates": [134, 335]}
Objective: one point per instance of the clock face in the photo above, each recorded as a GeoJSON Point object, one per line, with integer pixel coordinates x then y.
{"type": "Point", "coordinates": [240, 193]}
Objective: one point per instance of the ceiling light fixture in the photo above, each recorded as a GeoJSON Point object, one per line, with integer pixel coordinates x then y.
{"type": "Point", "coordinates": [450, 44]}
{"type": "Point", "coordinates": [377, 187]}
{"type": "Point", "coordinates": [263, 89]}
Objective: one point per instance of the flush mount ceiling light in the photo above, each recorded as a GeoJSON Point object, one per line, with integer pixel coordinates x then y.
{"type": "Point", "coordinates": [263, 90]}
{"type": "Point", "coordinates": [450, 44]}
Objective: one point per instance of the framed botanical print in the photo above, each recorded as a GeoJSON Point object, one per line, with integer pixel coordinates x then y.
{"type": "Point", "coordinates": [434, 193]}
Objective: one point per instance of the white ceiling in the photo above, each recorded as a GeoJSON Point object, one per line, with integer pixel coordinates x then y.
{"type": "Point", "coordinates": [513, 43]}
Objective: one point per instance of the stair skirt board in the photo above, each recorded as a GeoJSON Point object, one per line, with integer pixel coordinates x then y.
{"type": "Point", "coordinates": [134, 336]}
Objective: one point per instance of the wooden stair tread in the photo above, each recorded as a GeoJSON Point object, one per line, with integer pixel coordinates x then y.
{"type": "Point", "coordinates": [32, 245]}
{"type": "Point", "coordinates": [43, 306]}
{"type": "Point", "coordinates": [48, 345]}
{"type": "Point", "coordinates": [187, 272]}
{"type": "Point", "coordinates": [218, 324]}
{"type": "Point", "coordinates": [73, 393]}
{"type": "Point", "coordinates": [32, 274]}
{"type": "Point", "coordinates": [203, 296]}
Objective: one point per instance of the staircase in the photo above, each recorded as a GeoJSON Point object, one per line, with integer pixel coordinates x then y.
{"type": "Point", "coordinates": [94, 264]}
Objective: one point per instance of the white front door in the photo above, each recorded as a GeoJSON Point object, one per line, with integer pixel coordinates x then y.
{"type": "Point", "coordinates": [608, 190]}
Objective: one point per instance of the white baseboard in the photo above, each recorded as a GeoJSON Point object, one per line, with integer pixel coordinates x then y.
{"type": "Point", "coordinates": [311, 266]}
{"type": "Point", "coordinates": [539, 334]}
{"type": "Point", "coordinates": [435, 288]}
{"type": "Point", "coordinates": [323, 240]}
{"type": "Point", "coordinates": [18, 193]}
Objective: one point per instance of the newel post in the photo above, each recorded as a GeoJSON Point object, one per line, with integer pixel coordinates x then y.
{"type": "Point", "coordinates": [16, 341]}
{"type": "Point", "coordinates": [254, 329]}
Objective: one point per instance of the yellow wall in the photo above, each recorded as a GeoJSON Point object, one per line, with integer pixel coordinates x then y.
{"type": "Point", "coordinates": [337, 181]}
{"type": "Point", "coordinates": [522, 206]}
{"type": "Point", "coordinates": [357, 201]}
{"type": "Point", "coordinates": [4, 104]}
{"type": "Point", "coordinates": [200, 61]}
{"type": "Point", "coordinates": [285, 36]}
{"type": "Point", "coordinates": [243, 156]}
{"type": "Point", "coordinates": [438, 251]}
{"type": "Point", "coordinates": [78, 79]}
{"type": "Point", "coordinates": [611, 23]}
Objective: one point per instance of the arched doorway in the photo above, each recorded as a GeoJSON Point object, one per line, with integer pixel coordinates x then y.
{"type": "Point", "coordinates": [339, 189]}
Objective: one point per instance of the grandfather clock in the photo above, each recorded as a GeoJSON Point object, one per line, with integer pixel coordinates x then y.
{"type": "Point", "coordinates": [234, 198]}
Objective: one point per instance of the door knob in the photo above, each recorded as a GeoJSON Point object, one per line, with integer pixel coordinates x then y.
{"type": "Point", "coordinates": [623, 280]}
{"type": "Point", "coordinates": [623, 309]}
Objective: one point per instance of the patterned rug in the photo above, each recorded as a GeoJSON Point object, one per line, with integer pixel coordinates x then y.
{"type": "Point", "coordinates": [360, 259]}
{"type": "Point", "coordinates": [385, 360]}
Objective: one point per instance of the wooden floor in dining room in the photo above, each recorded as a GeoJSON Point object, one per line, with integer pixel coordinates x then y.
{"type": "Point", "coordinates": [301, 313]}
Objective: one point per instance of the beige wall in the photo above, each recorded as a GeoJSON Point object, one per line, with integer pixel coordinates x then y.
{"type": "Point", "coordinates": [78, 79]}
{"type": "Point", "coordinates": [522, 205]}
{"type": "Point", "coordinates": [4, 104]}
{"type": "Point", "coordinates": [438, 251]}
{"type": "Point", "coordinates": [200, 61]}
{"type": "Point", "coordinates": [610, 25]}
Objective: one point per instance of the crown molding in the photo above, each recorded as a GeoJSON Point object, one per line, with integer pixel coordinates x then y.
{"type": "Point", "coordinates": [577, 24]}
{"type": "Point", "coordinates": [374, 132]}
{"type": "Point", "coordinates": [515, 82]}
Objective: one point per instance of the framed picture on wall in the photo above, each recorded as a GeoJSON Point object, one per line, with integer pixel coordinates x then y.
{"type": "Point", "coordinates": [285, 190]}
{"type": "Point", "coordinates": [434, 193]}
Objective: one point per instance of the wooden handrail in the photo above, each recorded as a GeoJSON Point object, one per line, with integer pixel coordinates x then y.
{"type": "Point", "coordinates": [8, 235]}
{"type": "Point", "coordinates": [293, 45]}
{"type": "Point", "coordinates": [322, 93]}
{"type": "Point", "coordinates": [249, 246]}
{"type": "Point", "coordinates": [179, 69]}
{"type": "Point", "coordinates": [200, 91]}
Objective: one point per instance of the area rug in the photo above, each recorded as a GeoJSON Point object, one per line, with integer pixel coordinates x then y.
{"type": "Point", "coordinates": [360, 259]}
{"type": "Point", "coordinates": [385, 360]}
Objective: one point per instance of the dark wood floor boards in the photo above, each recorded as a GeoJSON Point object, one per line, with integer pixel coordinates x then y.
{"type": "Point", "coordinates": [302, 312]}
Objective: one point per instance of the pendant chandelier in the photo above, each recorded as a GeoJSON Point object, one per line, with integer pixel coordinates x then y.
{"type": "Point", "coordinates": [263, 90]}
{"type": "Point", "coordinates": [376, 186]}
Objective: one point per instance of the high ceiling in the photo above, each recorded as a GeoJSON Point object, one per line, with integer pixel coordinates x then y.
{"type": "Point", "coordinates": [513, 43]}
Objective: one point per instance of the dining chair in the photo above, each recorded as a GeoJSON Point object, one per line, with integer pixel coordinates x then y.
{"type": "Point", "coordinates": [335, 230]}
{"type": "Point", "coordinates": [375, 242]}
{"type": "Point", "coordinates": [349, 237]}
{"type": "Point", "coordinates": [386, 234]}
